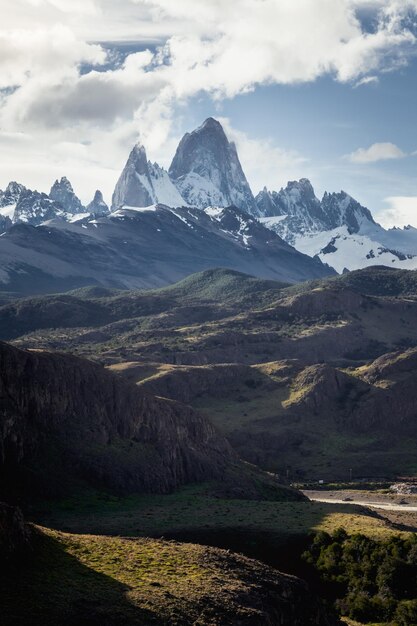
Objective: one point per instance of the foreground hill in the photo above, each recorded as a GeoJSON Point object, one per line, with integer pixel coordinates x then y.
{"type": "Point", "coordinates": [59, 578]}
{"type": "Point", "coordinates": [67, 423]}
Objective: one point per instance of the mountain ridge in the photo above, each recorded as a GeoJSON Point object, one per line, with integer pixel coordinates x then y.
{"type": "Point", "coordinates": [206, 174]}
{"type": "Point", "coordinates": [145, 248]}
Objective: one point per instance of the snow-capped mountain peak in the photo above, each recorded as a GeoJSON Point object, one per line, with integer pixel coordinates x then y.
{"type": "Point", "coordinates": [143, 183]}
{"type": "Point", "coordinates": [97, 206]}
{"type": "Point", "coordinates": [337, 229]}
{"type": "Point", "coordinates": [305, 214]}
{"type": "Point", "coordinates": [35, 208]}
{"type": "Point", "coordinates": [63, 193]}
{"type": "Point", "coordinates": [11, 194]}
{"type": "Point", "coordinates": [340, 209]}
{"type": "Point", "coordinates": [297, 206]}
{"type": "Point", "coordinates": [206, 170]}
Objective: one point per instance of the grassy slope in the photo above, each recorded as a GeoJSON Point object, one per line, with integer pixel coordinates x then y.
{"type": "Point", "coordinates": [311, 447]}
{"type": "Point", "coordinates": [168, 580]}
{"type": "Point", "coordinates": [261, 414]}
{"type": "Point", "coordinates": [375, 281]}
{"type": "Point", "coordinates": [194, 508]}
{"type": "Point", "coordinates": [218, 316]}
{"type": "Point", "coordinates": [87, 579]}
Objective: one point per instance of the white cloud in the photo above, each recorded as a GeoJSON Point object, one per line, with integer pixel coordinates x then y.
{"type": "Point", "coordinates": [402, 211]}
{"type": "Point", "coordinates": [377, 152]}
{"type": "Point", "coordinates": [367, 80]}
{"type": "Point", "coordinates": [220, 48]}
{"type": "Point", "coordinates": [41, 55]}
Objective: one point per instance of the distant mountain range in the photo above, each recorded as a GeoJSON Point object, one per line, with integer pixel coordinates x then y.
{"type": "Point", "coordinates": [337, 229]}
{"type": "Point", "coordinates": [201, 213]}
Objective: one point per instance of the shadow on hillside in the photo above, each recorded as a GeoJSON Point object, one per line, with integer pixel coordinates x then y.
{"type": "Point", "coordinates": [275, 533]}
{"type": "Point", "coordinates": [50, 587]}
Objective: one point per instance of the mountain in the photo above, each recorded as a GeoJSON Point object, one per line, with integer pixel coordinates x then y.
{"type": "Point", "coordinates": [21, 205]}
{"type": "Point", "coordinates": [63, 193]}
{"type": "Point", "coordinates": [337, 229]}
{"type": "Point", "coordinates": [296, 200]}
{"type": "Point", "coordinates": [35, 208]}
{"type": "Point", "coordinates": [142, 184]}
{"type": "Point", "coordinates": [344, 250]}
{"type": "Point", "coordinates": [11, 194]}
{"type": "Point", "coordinates": [295, 211]}
{"type": "Point", "coordinates": [68, 424]}
{"type": "Point", "coordinates": [340, 209]}
{"type": "Point", "coordinates": [222, 316]}
{"type": "Point", "coordinates": [145, 248]}
{"type": "Point", "coordinates": [8, 201]}
{"type": "Point", "coordinates": [207, 172]}
{"type": "Point", "coordinates": [317, 419]}
{"type": "Point", "coordinates": [97, 206]}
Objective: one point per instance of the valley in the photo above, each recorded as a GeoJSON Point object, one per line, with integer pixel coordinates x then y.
{"type": "Point", "coordinates": [268, 384]}
{"type": "Point", "coordinates": [294, 377]}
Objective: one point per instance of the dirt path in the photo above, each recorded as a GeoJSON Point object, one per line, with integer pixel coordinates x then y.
{"type": "Point", "coordinates": [366, 499]}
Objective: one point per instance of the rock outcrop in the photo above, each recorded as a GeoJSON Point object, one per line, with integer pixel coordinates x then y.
{"type": "Point", "coordinates": [11, 194]}
{"type": "Point", "coordinates": [35, 208]}
{"type": "Point", "coordinates": [14, 534]}
{"type": "Point", "coordinates": [63, 193]}
{"type": "Point", "coordinates": [97, 205]}
{"type": "Point", "coordinates": [63, 419]}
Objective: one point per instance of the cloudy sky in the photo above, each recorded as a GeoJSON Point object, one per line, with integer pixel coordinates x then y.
{"type": "Point", "coordinates": [325, 89]}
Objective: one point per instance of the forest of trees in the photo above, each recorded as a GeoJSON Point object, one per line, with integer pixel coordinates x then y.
{"type": "Point", "coordinates": [372, 581]}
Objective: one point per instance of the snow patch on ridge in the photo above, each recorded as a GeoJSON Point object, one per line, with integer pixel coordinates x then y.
{"type": "Point", "coordinates": [343, 250]}
{"type": "Point", "coordinates": [8, 211]}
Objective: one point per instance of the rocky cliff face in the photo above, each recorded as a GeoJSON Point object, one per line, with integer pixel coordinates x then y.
{"type": "Point", "coordinates": [143, 183]}
{"type": "Point", "coordinates": [97, 206]}
{"type": "Point", "coordinates": [207, 172]}
{"type": "Point", "coordinates": [5, 223]}
{"type": "Point", "coordinates": [340, 209]}
{"type": "Point", "coordinates": [35, 208]}
{"type": "Point", "coordinates": [14, 534]}
{"type": "Point", "coordinates": [134, 186]}
{"type": "Point", "coordinates": [63, 193]}
{"type": "Point", "coordinates": [64, 419]}
{"type": "Point", "coordinates": [11, 194]}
